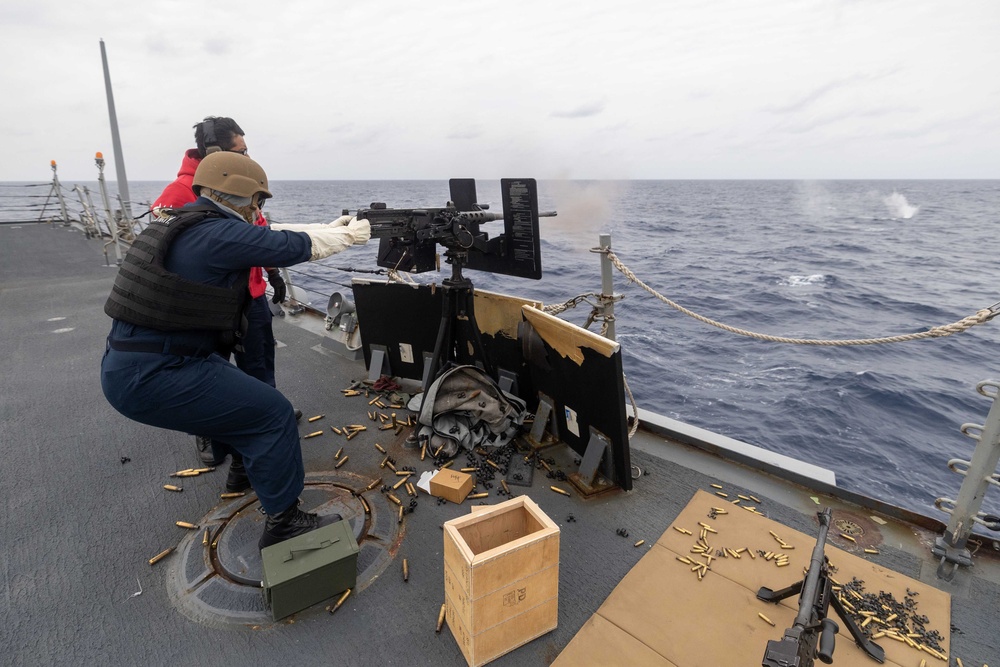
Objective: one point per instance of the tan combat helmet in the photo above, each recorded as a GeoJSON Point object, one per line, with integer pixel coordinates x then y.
{"type": "Point", "coordinates": [231, 173]}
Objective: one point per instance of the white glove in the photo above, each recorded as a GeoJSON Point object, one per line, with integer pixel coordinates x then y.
{"type": "Point", "coordinates": [331, 238]}
{"type": "Point", "coordinates": [362, 230]}
{"type": "Point", "coordinates": [342, 221]}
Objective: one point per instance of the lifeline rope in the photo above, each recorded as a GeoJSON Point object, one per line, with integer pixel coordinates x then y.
{"type": "Point", "coordinates": [982, 316]}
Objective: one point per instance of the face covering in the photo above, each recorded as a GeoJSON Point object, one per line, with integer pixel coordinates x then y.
{"type": "Point", "coordinates": [243, 206]}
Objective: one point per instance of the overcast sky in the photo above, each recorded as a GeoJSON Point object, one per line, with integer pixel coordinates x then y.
{"type": "Point", "coordinates": [397, 89]}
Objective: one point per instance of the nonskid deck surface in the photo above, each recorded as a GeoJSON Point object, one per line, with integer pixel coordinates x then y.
{"type": "Point", "coordinates": [84, 508]}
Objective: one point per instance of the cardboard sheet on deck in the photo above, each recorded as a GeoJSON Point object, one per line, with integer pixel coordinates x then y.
{"type": "Point", "coordinates": [660, 614]}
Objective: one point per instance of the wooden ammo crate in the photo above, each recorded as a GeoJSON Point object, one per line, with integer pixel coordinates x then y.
{"type": "Point", "coordinates": [501, 578]}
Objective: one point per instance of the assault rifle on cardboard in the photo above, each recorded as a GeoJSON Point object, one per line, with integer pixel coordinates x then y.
{"type": "Point", "coordinates": [813, 634]}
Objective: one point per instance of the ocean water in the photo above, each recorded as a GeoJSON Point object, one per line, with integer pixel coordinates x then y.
{"type": "Point", "coordinates": [819, 260]}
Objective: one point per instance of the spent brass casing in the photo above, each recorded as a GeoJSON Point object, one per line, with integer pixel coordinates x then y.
{"type": "Point", "coordinates": [406, 570]}
{"type": "Point", "coordinates": [639, 543]}
{"type": "Point", "coordinates": [423, 451]}
{"type": "Point", "coordinates": [503, 483]}
{"type": "Point", "coordinates": [374, 483]}
{"type": "Point", "coordinates": [441, 618]}
{"type": "Point", "coordinates": [769, 621]}
{"type": "Point", "coordinates": [383, 461]}
{"type": "Point", "coordinates": [716, 486]}
{"type": "Point", "coordinates": [352, 434]}
{"type": "Point", "coordinates": [160, 556]}
{"type": "Point", "coordinates": [316, 418]}
{"type": "Point", "coordinates": [468, 469]}
{"type": "Point", "coordinates": [341, 600]}
{"type": "Point", "coordinates": [848, 537]}
{"type": "Point", "coordinates": [188, 473]}
{"type": "Point", "coordinates": [339, 452]}
{"type": "Point", "coordinates": [448, 465]}
{"type": "Point", "coordinates": [204, 539]}
{"type": "Point", "coordinates": [401, 482]}
{"type": "Point", "coordinates": [558, 490]}
{"type": "Point", "coordinates": [380, 448]}
{"type": "Point", "coordinates": [185, 524]}
{"type": "Point", "coordinates": [394, 499]}
{"type": "Point", "coordinates": [380, 404]}
{"type": "Point", "coordinates": [341, 462]}
{"type": "Point", "coordinates": [336, 430]}
{"type": "Point", "coordinates": [721, 494]}
{"type": "Point", "coordinates": [235, 494]}
{"type": "Point", "coordinates": [404, 473]}
{"type": "Point", "coordinates": [386, 427]}
{"type": "Point", "coordinates": [682, 530]}
{"type": "Point", "coordinates": [313, 434]}
{"type": "Point", "coordinates": [374, 400]}
{"type": "Point", "coordinates": [171, 487]}
{"type": "Point", "coordinates": [364, 503]}
{"type": "Point", "coordinates": [473, 496]}
{"type": "Point", "coordinates": [400, 520]}
{"type": "Point", "coordinates": [201, 470]}
{"type": "Point", "coordinates": [493, 464]}
{"type": "Point", "coordinates": [412, 490]}
{"type": "Point", "coordinates": [871, 551]}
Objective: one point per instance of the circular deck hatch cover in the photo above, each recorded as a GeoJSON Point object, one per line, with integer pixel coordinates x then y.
{"type": "Point", "coordinates": [216, 578]}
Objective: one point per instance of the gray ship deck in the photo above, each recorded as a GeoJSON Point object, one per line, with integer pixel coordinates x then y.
{"type": "Point", "coordinates": [79, 524]}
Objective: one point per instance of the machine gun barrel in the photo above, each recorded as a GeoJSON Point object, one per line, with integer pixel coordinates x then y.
{"type": "Point", "coordinates": [810, 588]}
{"type": "Point", "coordinates": [798, 647]}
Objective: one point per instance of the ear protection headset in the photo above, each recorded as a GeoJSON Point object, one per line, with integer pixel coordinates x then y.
{"type": "Point", "coordinates": [208, 132]}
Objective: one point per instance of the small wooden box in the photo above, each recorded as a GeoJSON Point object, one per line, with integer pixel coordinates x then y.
{"type": "Point", "coordinates": [501, 578]}
{"type": "Point", "coordinates": [451, 485]}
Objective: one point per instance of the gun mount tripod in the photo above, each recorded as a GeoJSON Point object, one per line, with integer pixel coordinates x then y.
{"type": "Point", "coordinates": [458, 338]}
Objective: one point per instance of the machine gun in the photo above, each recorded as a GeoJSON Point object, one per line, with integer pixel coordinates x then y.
{"type": "Point", "coordinates": [798, 647]}
{"type": "Point", "coordinates": [408, 237]}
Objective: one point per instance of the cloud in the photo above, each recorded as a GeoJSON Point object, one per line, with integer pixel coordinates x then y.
{"type": "Point", "coordinates": [817, 94]}
{"type": "Point", "coordinates": [582, 111]}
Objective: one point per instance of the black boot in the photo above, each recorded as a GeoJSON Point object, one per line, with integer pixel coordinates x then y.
{"type": "Point", "coordinates": [237, 480]}
{"type": "Point", "coordinates": [292, 523]}
{"type": "Point", "coordinates": [206, 453]}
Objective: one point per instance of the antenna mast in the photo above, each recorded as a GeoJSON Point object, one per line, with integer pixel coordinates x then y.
{"type": "Point", "coordinates": [116, 140]}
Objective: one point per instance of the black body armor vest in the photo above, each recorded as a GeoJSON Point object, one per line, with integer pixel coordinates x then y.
{"type": "Point", "coordinates": [146, 294]}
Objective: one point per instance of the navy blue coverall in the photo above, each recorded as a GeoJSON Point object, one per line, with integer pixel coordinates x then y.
{"type": "Point", "coordinates": [204, 394]}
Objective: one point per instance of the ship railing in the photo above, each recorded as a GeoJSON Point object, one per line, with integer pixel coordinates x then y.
{"type": "Point", "coordinates": [952, 548]}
